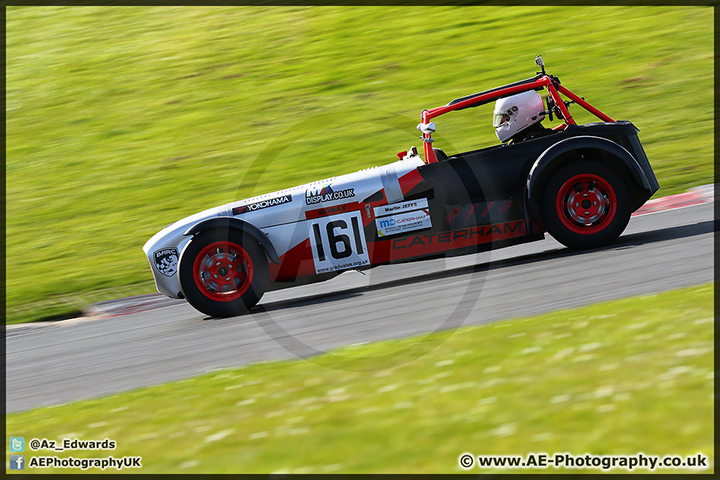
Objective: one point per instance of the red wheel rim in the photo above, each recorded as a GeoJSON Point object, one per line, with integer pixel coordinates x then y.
{"type": "Point", "coordinates": [223, 271]}
{"type": "Point", "coordinates": [586, 204]}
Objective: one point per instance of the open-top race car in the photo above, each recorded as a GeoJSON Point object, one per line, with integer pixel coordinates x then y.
{"type": "Point", "coordinates": [580, 183]}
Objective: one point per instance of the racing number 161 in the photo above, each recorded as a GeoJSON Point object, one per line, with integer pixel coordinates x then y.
{"type": "Point", "coordinates": [339, 240]}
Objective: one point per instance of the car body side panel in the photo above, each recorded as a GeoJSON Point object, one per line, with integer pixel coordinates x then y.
{"type": "Point", "coordinates": [494, 173]}
{"type": "Point", "coordinates": [460, 240]}
{"type": "Point", "coordinates": [287, 217]}
{"type": "Point", "coordinates": [333, 235]}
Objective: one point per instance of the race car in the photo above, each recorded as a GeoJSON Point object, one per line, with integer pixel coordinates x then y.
{"type": "Point", "coordinates": [579, 183]}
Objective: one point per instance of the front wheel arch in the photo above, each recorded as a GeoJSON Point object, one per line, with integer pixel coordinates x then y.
{"type": "Point", "coordinates": [227, 223]}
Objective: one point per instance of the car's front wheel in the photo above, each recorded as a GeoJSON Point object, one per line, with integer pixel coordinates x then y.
{"type": "Point", "coordinates": [586, 204]}
{"type": "Point", "coordinates": [223, 272]}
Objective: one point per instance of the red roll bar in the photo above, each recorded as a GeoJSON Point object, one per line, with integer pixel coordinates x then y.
{"type": "Point", "coordinates": [548, 82]}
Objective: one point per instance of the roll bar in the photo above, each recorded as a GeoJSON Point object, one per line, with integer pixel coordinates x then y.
{"type": "Point", "coordinates": [541, 81]}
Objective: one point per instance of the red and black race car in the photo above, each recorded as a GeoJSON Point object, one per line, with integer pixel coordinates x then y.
{"type": "Point", "coordinates": [580, 183]}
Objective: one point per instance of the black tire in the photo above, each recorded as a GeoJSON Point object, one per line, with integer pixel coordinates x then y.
{"type": "Point", "coordinates": [223, 273]}
{"type": "Point", "coordinates": [585, 204]}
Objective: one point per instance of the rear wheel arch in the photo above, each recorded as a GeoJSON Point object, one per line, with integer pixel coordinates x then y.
{"type": "Point", "coordinates": [584, 148]}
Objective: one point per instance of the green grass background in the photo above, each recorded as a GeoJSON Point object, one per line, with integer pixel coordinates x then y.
{"type": "Point", "coordinates": [121, 120]}
{"type": "Point", "coordinates": [616, 378]}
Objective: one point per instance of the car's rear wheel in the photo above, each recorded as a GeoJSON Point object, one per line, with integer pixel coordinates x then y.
{"type": "Point", "coordinates": [223, 273]}
{"type": "Point", "coordinates": [585, 204]}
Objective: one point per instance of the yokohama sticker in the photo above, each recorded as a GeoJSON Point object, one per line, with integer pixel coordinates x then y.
{"type": "Point", "coordinates": [403, 222]}
{"type": "Point", "coordinates": [166, 261]}
{"type": "Point", "coordinates": [271, 202]}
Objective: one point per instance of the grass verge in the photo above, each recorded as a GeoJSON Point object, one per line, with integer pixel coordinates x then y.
{"type": "Point", "coordinates": [620, 377]}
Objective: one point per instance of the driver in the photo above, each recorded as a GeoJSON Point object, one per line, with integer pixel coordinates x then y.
{"type": "Point", "coordinates": [517, 118]}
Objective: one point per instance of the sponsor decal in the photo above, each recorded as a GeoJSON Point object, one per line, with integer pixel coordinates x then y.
{"type": "Point", "coordinates": [166, 261]}
{"type": "Point", "coordinates": [472, 209]}
{"type": "Point", "coordinates": [327, 194]}
{"type": "Point", "coordinates": [271, 202]}
{"type": "Point", "coordinates": [403, 222]}
{"type": "Point", "coordinates": [333, 210]}
{"type": "Point", "coordinates": [338, 242]}
{"type": "Point", "coordinates": [464, 237]}
{"type": "Point", "coordinates": [504, 207]}
{"type": "Point", "coordinates": [470, 214]}
{"type": "Point", "coordinates": [401, 207]}
{"type": "Point", "coordinates": [487, 209]}
{"type": "Point", "coordinates": [452, 215]}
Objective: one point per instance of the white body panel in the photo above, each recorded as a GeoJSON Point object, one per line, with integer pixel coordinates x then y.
{"type": "Point", "coordinates": [282, 217]}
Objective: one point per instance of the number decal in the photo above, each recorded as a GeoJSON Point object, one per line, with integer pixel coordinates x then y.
{"type": "Point", "coordinates": [359, 237]}
{"type": "Point", "coordinates": [338, 239]}
{"type": "Point", "coordinates": [318, 243]}
{"type": "Point", "coordinates": [338, 242]}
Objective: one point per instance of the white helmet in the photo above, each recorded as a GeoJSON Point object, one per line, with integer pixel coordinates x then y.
{"type": "Point", "coordinates": [516, 113]}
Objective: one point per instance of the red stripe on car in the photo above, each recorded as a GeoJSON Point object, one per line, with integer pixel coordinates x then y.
{"type": "Point", "coordinates": [409, 181]}
{"type": "Point", "coordinates": [333, 210]}
{"type": "Point", "coordinates": [424, 244]}
{"type": "Point", "coordinates": [296, 262]}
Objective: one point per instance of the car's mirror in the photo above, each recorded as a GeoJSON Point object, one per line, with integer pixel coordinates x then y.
{"type": "Point", "coordinates": [426, 128]}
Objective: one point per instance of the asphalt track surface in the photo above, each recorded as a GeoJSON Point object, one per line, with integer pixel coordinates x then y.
{"type": "Point", "coordinates": [51, 363]}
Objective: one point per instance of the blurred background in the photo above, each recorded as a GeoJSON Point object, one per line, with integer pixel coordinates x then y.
{"type": "Point", "coordinates": [121, 120]}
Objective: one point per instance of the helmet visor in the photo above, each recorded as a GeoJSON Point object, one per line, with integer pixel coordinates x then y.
{"type": "Point", "coordinates": [500, 119]}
